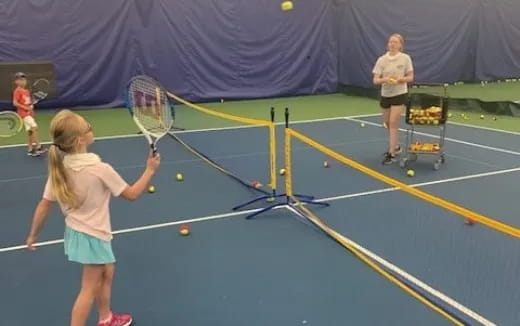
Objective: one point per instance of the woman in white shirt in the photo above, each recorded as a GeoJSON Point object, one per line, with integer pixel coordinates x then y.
{"type": "Point", "coordinates": [393, 71]}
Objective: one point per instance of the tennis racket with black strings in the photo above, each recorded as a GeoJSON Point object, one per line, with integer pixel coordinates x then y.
{"type": "Point", "coordinates": [39, 90]}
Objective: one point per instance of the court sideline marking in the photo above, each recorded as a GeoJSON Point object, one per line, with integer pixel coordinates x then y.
{"type": "Point", "coordinates": [232, 214]}
{"type": "Point", "coordinates": [491, 148]}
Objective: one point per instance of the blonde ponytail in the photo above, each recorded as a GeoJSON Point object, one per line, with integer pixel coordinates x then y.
{"type": "Point", "coordinates": [59, 179]}
{"type": "Point", "coordinates": [65, 128]}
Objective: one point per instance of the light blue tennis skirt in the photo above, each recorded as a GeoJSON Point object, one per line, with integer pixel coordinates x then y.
{"type": "Point", "coordinates": [86, 249]}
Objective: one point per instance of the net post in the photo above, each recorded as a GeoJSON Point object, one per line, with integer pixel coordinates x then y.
{"type": "Point", "coordinates": [272, 152]}
{"type": "Point", "coordinates": [288, 159]}
{"type": "Point", "coordinates": [286, 118]}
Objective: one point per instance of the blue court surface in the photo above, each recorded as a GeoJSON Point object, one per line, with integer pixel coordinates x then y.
{"type": "Point", "coordinates": [274, 269]}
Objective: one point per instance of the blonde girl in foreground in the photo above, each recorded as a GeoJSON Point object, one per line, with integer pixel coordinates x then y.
{"type": "Point", "coordinates": [83, 185]}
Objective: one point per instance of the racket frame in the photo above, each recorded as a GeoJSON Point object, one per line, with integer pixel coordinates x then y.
{"type": "Point", "coordinates": [37, 93]}
{"type": "Point", "coordinates": [16, 117]}
{"type": "Point", "coordinates": [152, 138]}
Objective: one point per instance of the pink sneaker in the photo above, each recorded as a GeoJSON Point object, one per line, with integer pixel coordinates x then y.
{"type": "Point", "coordinates": [118, 320]}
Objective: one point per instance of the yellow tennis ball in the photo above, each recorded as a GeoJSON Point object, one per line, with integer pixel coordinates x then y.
{"type": "Point", "coordinates": [481, 116]}
{"type": "Point", "coordinates": [287, 6]}
{"type": "Point", "coordinates": [179, 177]}
{"type": "Point", "coordinates": [362, 125]}
{"type": "Point", "coordinates": [410, 173]}
{"type": "Point", "coordinates": [184, 231]}
{"type": "Point", "coordinates": [282, 171]}
{"type": "Point", "coordinates": [151, 189]}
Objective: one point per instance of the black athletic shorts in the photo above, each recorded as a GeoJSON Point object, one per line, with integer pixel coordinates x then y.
{"type": "Point", "coordinates": [386, 102]}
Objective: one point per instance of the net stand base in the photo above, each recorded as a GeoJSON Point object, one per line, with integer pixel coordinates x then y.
{"type": "Point", "coordinates": [306, 199]}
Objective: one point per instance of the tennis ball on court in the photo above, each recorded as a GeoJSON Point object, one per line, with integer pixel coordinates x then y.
{"type": "Point", "coordinates": [179, 177]}
{"type": "Point", "coordinates": [256, 184]}
{"type": "Point", "coordinates": [287, 6]}
{"type": "Point", "coordinates": [270, 199]}
{"type": "Point", "coordinates": [151, 189]}
{"type": "Point", "coordinates": [326, 164]}
{"type": "Point", "coordinates": [410, 173]}
{"type": "Point", "coordinates": [494, 118]}
{"type": "Point", "coordinates": [449, 115]}
{"type": "Point", "coordinates": [362, 125]}
{"type": "Point", "coordinates": [184, 229]}
{"type": "Point", "coordinates": [282, 171]}
{"type": "Point", "coordinates": [481, 116]}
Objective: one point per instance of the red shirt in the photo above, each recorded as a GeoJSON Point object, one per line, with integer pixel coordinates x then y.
{"type": "Point", "coordinates": [22, 96]}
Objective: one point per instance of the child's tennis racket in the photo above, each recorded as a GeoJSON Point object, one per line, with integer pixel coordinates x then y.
{"type": "Point", "coordinates": [39, 90]}
{"type": "Point", "coordinates": [150, 108]}
{"type": "Point", "coordinates": [10, 123]}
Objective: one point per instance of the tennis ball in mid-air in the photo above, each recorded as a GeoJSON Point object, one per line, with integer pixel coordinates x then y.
{"type": "Point", "coordinates": [179, 177]}
{"type": "Point", "coordinates": [410, 173]}
{"type": "Point", "coordinates": [287, 6]}
{"type": "Point", "coordinates": [362, 125]}
{"type": "Point", "coordinates": [282, 171]}
{"type": "Point", "coordinates": [481, 116]}
{"type": "Point", "coordinates": [151, 189]}
{"type": "Point", "coordinates": [326, 164]}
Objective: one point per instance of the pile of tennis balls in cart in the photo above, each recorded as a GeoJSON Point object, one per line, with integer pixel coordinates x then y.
{"type": "Point", "coordinates": [428, 116]}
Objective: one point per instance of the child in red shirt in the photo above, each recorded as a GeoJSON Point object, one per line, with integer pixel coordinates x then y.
{"type": "Point", "coordinates": [22, 101]}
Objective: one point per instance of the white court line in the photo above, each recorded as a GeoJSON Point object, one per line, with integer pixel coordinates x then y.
{"type": "Point", "coordinates": [423, 184]}
{"type": "Point", "coordinates": [142, 228]}
{"type": "Point", "coordinates": [224, 215]}
{"type": "Point", "coordinates": [495, 149]}
{"type": "Point", "coordinates": [409, 277]}
{"type": "Point", "coordinates": [484, 128]}
{"type": "Point", "coordinates": [198, 160]}
{"type": "Point", "coordinates": [213, 129]}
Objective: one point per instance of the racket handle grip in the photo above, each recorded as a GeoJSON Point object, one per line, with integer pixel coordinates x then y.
{"type": "Point", "coordinates": [154, 150]}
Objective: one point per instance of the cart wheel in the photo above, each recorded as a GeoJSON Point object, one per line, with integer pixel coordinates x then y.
{"type": "Point", "coordinates": [402, 163]}
{"type": "Point", "coordinates": [412, 157]}
{"type": "Point", "coordinates": [437, 165]}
